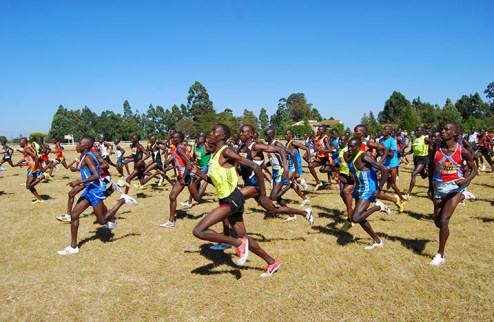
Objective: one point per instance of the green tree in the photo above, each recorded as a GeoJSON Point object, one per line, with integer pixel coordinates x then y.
{"type": "Point", "coordinates": [411, 119]}
{"type": "Point", "coordinates": [427, 112]}
{"type": "Point", "coordinates": [154, 121]}
{"type": "Point", "coordinates": [281, 120]}
{"type": "Point", "coordinates": [176, 115]}
{"type": "Point", "coordinates": [198, 101]}
{"type": "Point", "coordinates": [39, 135]}
{"type": "Point", "coordinates": [110, 125]}
{"type": "Point", "coordinates": [131, 124]}
{"type": "Point", "coordinates": [187, 127]}
{"type": "Point", "coordinates": [449, 113]}
{"type": "Point", "coordinates": [226, 117]}
{"type": "Point", "coordinates": [297, 106]}
{"type": "Point", "coordinates": [315, 115]}
{"type": "Point", "coordinates": [394, 109]}
{"type": "Point", "coordinates": [263, 119]}
{"type": "Point", "coordinates": [206, 122]}
{"type": "Point", "coordinates": [250, 118]}
{"type": "Point", "coordinates": [66, 122]}
{"type": "Point", "coordinates": [489, 91]}
{"type": "Point", "coordinates": [300, 130]}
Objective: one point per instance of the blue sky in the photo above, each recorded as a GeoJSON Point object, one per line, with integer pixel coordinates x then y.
{"type": "Point", "coordinates": [346, 56]}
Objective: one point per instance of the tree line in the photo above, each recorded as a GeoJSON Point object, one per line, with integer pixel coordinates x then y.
{"type": "Point", "coordinates": [197, 115]}
{"type": "Point", "coordinates": [468, 111]}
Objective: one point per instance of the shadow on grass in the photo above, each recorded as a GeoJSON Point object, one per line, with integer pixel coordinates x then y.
{"type": "Point", "coordinates": [419, 216]}
{"type": "Point", "coordinates": [342, 237]}
{"type": "Point", "coordinates": [105, 235]}
{"type": "Point", "coordinates": [482, 184]}
{"type": "Point", "coordinates": [415, 245]}
{"type": "Point", "coordinates": [329, 213]}
{"type": "Point", "coordinates": [182, 214]}
{"type": "Point", "coordinates": [46, 197]}
{"type": "Point", "coordinates": [485, 219]}
{"type": "Point", "coordinates": [219, 258]}
{"type": "Point", "coordinates": [141, 195]}
{"type": "Point", "coordinates": [262, 239]}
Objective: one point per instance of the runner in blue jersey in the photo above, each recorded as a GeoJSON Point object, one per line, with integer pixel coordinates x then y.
{"type": "Point", "coordinates": [93, 195]}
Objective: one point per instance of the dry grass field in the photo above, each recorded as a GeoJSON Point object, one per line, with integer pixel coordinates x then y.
{"type": "Point", "coordinates": [140, 271]}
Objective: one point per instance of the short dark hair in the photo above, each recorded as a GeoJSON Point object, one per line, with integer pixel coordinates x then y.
{"type": "Point", "coordinates": [225, 129]}
{"type": "Point", "coordinates": [87, 137]}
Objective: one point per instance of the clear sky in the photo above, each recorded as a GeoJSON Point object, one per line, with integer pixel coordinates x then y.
{"type": "Point", "coordinates": [346, 56]}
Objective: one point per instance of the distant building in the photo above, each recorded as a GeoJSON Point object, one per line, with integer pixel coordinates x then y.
{"type": "Point", "coordinates": [315, 124]}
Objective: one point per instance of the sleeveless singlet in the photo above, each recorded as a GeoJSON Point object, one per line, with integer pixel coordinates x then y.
{"type": "Point", "coordinates": [448, 167]}
{"type": "Point", "coordinates": [224, 179]}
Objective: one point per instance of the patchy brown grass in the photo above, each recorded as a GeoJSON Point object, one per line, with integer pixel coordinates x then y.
{"type": "Point", "coordinates": [142, 272]}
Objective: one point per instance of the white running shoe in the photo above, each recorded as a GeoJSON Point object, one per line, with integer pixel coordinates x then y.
{"type": "Point", "coordinates": [186, 204]}
{"type": "Point", "coordinates": [468, 195]}
{"type": "Point", "coordinates": [110, 225]}
{"type": "Point", "coordinates": [128, 199]}
{"type": "Point", "coordinates": [305, 203]}
{"type": "Point", "coordinates": [2, 169]}
{"type": "Point", "coordinates": [309, 216]}
{"type": "Point", "coordinates": [117, 188]}
{"type": "Point", "coordinates": [374, 245]}
{"type": "Point", "coordinates": [437, 260]}
{"type": "Point", "coordinates": [220, 246]}
{"type": "Point", "coordinates": [383, 207]}
{"type": "Point", "coordinates": [291, 218]}
{"type": "Point", "coordinates": [68, 251]}
{"type": "Point", "coordinates": [319, 185]}
{"type": "Point", "coordinates": [483, 167]}
{"type": "Point", "coordinates": [168, 224]}
{"type": "Point", "coordinates": [304, 184]}
{"type": "Point", "coordinates": [122, 183]}
{"type": "Point", "coordinates": [64, 218]}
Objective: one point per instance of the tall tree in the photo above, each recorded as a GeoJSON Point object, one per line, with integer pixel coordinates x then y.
{"type": "Point", "coordinates": [427, 112]}
{"type": "Point", "coordinates": [177, 115]}
{"type": "Point", "coordinates": [250, 118]}
{"type": "Point", "coordinates": [110, 125]}
{"type": "Point", "coordinates": [226, 117]}
{"type": "Point", "coordinates": [411, 119]}
{"type": "Point", "coordinates": [131, 124]}
{"type": "Point", "coordinates": [154, 120]}
{"type": "Point", "coordinates": [263, 119]}
{"type": "Point", "coordinates": [489, 91]}
{"type": "Point", "coordinates": [449, 113]}
{"type": "Point", "coordinates": [394, 109]}
{"type": "Point", "coordinates": [198, 101]}
{"type": "Point", "coordinates": [314, 115]}
{"type": "Point", "coordinates": [281, 120]}
{"type": "Point", "coordinates": [297, 106]}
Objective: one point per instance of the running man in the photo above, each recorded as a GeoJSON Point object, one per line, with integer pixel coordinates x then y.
{"type": "Point", "coordinates": [253, 151]}
{"type": "Point", "coordinates": [368, 146]}
{"type": "Point", "coordinates": [222, 173]}
{"type": "Point", "coordinates": [447, 182]}
{"type": "Point", "coordinates": [420, 150]}
{"type": "Point", "coordinates": [59, 158]}
{"type": "Point", "coordinates": [7, 154]}
{"type": "Point", "coordinates": [390, 160]}
{"type": "Point", "coordinates": [34, 173]}
{"type": "Point", "coordinates": [363, 169]}
{"type": "Point", "coordinates": [486, 141]}
{"type": "Point", "coordinates": [139, 155]}
{"type": "Point", "coordinates": [93, 195]}
{"type": "Point", "coordinates": [181, 157]}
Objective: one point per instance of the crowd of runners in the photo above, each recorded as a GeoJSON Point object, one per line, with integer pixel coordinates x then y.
{"type": "Point", "coordinates": [359, 165]}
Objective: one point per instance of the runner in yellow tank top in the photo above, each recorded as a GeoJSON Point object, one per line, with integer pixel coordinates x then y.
{"type": "Point", "coordinates": [231, 201]}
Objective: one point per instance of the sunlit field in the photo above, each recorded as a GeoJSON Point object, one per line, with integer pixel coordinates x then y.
{"type": "Point", "coordinates": [139, 271]}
